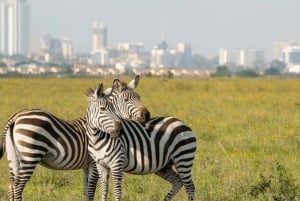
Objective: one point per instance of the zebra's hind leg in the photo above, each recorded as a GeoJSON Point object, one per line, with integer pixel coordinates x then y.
{"type": "Point", "coordinates": [186, 178]}
{"type": "Point", "coordinates": [11, 186]}
{"type": "Point", "coordinates": [23, 176]}
{"type": "Point", "coordinates": [190, 189]}
{"type": "Point", "coordinates": [169, 175]}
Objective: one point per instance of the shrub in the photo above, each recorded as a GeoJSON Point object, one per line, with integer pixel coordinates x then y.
{"type": "Point", "coordinates": [247, 73]}
{"type": "Point", "coordinates": [278, 186]}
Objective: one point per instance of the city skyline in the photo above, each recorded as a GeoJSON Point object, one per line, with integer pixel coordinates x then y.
{"type": "Point", "coordinates": [207, 26]}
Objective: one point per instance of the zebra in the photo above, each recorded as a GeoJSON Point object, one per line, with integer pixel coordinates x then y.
{"type": "Point", "coordinates": [165, 146]}
{"type": "Point", "coordinates": [40, 132]}
{"type": "Point", "coordinates": [127, 102]}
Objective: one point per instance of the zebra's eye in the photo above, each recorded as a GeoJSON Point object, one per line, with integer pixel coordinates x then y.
{"type": "Point", "coordinates": [126, 99]}
{"type": "Point", "coordinates": [102, 108]}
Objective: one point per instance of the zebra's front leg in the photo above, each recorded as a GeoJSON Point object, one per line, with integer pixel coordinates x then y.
{"type": "Point", "coordinates": [104, 176]}
{"type": "Point", "coordinates": [85, 183]}
{"type": "Point", "coordinates": [169, 175]}
{"type": "Point", "coordinates": [117, 176]}
{"type": "Point", "coordinates": [90, 180]}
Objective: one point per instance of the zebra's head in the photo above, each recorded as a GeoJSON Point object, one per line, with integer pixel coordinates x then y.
{"type": "Point", "coordinates": [101, 113]}
{"type": "Point", "coordinates": [127, 102]}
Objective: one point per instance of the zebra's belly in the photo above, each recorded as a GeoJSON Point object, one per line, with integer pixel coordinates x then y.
{"type": "Point", "coordinates": [140, 172]}
{"type": "Point", "coordinates": [64, 162]}
{"type": "Point", "coordinates": [143, 165]}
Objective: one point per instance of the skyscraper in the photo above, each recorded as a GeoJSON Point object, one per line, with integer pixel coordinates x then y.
{"type": "Point", "coordinates": [67, 48]}
{"type": "Point", "coordinates": [184, 51]}
{"type": "Point", "coordinates": [99, 36]}
{"type": "Point", "coordinates": [14, 27]}
{"type": "Point", "coordinates": [99, 53]}
{"type": "Point", "coordinates": [278, 47]}
{"type": "Point", "coordinates": [3, 27]}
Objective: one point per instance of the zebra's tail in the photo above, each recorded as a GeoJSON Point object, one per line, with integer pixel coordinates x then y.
{"type": "Point", "coordinates": [8, 127]}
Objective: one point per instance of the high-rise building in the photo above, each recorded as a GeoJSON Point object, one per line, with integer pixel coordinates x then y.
{"type": "Point", "coordinates": [184, 53]}
{"type": "Point", "coordinates": [99, 36]}
{"type": "Point", "coordinates": [159, 58]}
{"type": "Point", "coordinates": [229, 58]}
{"type": "Point", "coordinates": [278, 47]}
{"type": "Point", "coordinates": [67, 48]}
{"type": "Point", "coordinates": [245, 57]}
{"type": "Point", "coordinates": [291, 56]}
{"type": "Point", "coordinates": [137, 47]}
{"type": "Point", "coordinates": [99, 54]}
{"type": "Point", "coordinates": [51, 48]}
{"type": "Point", "coordinates": [159, 55]}
{"type": "Point", "coordinates": [14, 27]}
{"type": "Point", "coordinates": [3, 25]}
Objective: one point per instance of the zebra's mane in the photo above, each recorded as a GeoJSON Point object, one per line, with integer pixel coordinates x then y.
{"type": "Point", "coordinates": [89, 92]}
{"type": "Point", "coordinates": [124, 85]}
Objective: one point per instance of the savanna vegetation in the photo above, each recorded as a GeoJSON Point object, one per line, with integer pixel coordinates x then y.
{"type": "Point", "coordinates": [248, 135]}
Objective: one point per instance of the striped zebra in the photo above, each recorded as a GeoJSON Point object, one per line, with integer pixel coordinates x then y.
{"type": "Point", "coordinates": [40, 137]}
{"type": "Point", "coordinates": [127, 102]}
{"type": "Point", "coordinates": [36, 137]}
{"type": "Point", "coordinates": [163, 145]}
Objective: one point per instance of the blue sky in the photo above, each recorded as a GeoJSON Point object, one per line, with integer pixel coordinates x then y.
{"type": "Point", "coordinates": [206, 24]}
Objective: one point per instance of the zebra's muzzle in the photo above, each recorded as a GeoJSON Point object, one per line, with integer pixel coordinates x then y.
{"type": "Point", "coordinates": [145, 115]}
{"type": "Point", "coordinates": [117, 132]}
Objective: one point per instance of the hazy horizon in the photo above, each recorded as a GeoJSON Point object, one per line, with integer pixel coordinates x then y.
{"type": "Point", "coordinates": [206, 25]}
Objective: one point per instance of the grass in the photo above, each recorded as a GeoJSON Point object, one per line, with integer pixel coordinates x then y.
{"type": "Point", "coordinates": [248, 134]}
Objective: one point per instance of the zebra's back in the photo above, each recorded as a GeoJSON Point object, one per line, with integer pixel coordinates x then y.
{"type": "Point", "coordinates": [57, 144]}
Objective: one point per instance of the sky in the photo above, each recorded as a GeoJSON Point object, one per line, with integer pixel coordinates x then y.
{"type": "Point", "coordinates": [206, 24]}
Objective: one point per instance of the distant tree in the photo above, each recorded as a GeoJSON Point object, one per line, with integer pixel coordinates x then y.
{"type": "Point", "coordinates": [21, 63]}
{"type": "Point", "coordinates": [247, 73]}
{"type": "Point", "coordinates": [68, 69]}
{"type": "Point", "coordinates": [272, 71]}
{"type": "Point", "coordinates": [279, 65]}
{"type": "Point", "coordinates": [129, 72]}
{"type": "Point", "coordinates": [170, 74]}
{"type": "Point", "coordinates": [2, 64]}
{"type": "Point", "coordinates": [19, 57]}
{"type": "Point", "coordinates": [200, 61]}
{"type": "Point", "coordinates": [222, 71]}
{"type": "Point", "coordinates": [260, 63]}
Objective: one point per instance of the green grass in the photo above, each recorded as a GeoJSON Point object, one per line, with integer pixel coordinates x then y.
{"type": "Point", "coordinates": [246, 129]}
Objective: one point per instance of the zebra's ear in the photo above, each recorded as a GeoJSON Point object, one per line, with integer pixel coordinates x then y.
{"type": "Point", "coordinates": [108, 91]}
{"type": "Point", "coordinates": [99, 91]}
{"type": "Point", "coordinates": [134, 83]}
{"type": "Point", "coordinates": [117, 84]}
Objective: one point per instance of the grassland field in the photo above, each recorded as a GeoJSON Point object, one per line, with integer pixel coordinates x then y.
{"type": "Point", "coordinates": [247, 130]}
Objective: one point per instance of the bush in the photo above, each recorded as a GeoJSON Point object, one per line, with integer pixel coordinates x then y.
{"type": "Point", "coordinates": [272, 71]}
{"type": "Point", "coordinates": [247, 73]}
{"type": "Point", "coordinates": [222, 71]}
{"type": "Point", "coordinates": [278, 186]}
